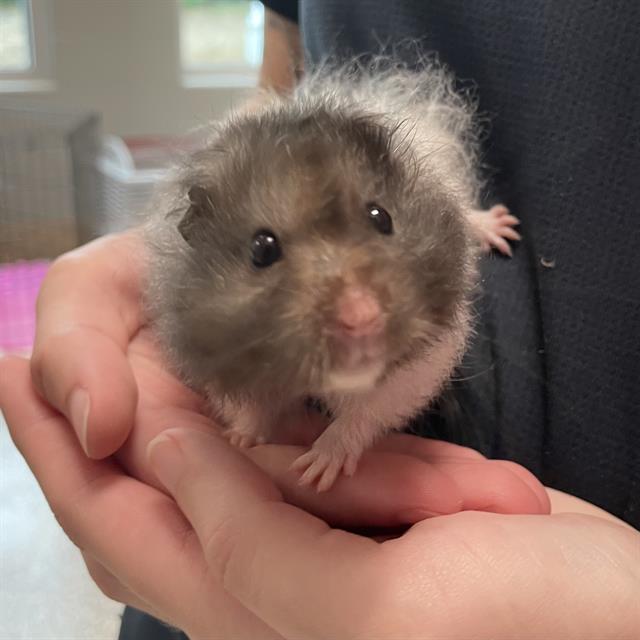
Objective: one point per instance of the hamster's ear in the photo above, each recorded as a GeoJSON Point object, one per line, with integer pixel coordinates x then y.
{"type": "Point", "coordinates": [200, 205]}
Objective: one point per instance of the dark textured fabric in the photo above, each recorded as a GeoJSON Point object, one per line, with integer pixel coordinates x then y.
{"type": "Point", "coordinates": [556, 369]}
{"type": "Point", "coordinates": [285, 8]}
{"type": "Point", "coordinates": [137, 625]}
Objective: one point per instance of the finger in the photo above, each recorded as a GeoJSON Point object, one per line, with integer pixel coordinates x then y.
{"type": "Point", "coordinates": [500, 485]}
{"type": "Point", "coordinates": [403, 481]}
{"type": "Point", "coordinates": [489, 485]}
{"type": "Point", "coordinates": [86, 376]}
{"type": "Point", "coordinates": [136, 532]}
{"type": "Point", "coordinates": [286, 566]}
{"type": "Point", "coordinates": [531, 481]}
{"type": "Point", "coordinates": [388, 489]}
{"type": "Point", "coordinates": [426, 449]}
{"type": "Point", "coordinates": [87, 311]}
{"type": "Point", "coordinates": [392, 487]}
{"type": "Point", "coordinates": [510, 220]}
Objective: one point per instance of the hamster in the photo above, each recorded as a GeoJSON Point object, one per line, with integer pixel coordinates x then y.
{"type": "Point", "coordinates": [324, 245]}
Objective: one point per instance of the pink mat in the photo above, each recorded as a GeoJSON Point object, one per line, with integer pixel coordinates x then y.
{"type": "Point", "coordinates": [19, 284]}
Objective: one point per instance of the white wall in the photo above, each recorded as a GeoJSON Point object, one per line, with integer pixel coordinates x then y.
{"type": "Point", "coordinates": [121, 57]}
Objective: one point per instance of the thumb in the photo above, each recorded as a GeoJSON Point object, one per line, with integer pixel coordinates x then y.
{"type": "Point", "coordinates": [280, 562]}
{"type": "Point", "coordinates": [192, 464]}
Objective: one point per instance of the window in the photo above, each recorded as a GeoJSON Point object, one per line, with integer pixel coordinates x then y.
{"type": "Point", "coordinates": [220, 41]}
{"type": "Point", "coordinates": [25, 63]}
{"type": "Point", "coordinates": [15, 36]}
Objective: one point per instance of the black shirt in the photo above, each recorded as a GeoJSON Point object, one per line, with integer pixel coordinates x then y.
{"type": "Point", "coordinates": [555, 370]}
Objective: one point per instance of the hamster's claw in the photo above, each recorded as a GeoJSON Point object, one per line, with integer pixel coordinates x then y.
{"type": "Point", "coordinates": [494, 228]}
{"type": "Point", "coordinates": [323, 467]}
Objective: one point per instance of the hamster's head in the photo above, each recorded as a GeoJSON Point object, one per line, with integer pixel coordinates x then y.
{"type": "Point", "coordinates": [316, 255]}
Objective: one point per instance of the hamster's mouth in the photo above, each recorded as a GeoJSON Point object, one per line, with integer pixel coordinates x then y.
{"type": "Point", "coordinates": [353, 380]}
{"type": "Point", "coordinates": [356, 364]}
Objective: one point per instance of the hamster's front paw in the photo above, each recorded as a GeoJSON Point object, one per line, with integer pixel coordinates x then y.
{"type": "Point", "coordinates": [324, 462]}
{"type": "Point", "coordinates": [244, 436]}
{"type": "Point", "coordinates": [247, 423]}
{"type": "Point", "coordinates": [494, 228]}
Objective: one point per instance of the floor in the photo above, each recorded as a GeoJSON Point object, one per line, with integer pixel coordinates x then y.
{"type": "Point", "coordinates": [45, 591]}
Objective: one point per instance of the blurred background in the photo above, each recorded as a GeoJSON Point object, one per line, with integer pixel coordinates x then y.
{"type": "Point", "coordinates": [97, 98]}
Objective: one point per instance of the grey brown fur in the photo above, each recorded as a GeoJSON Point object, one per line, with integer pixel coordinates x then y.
{"type": "Point", "coordinates": [306, 166]}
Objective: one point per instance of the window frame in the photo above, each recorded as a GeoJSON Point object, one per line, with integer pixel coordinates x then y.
{"type": "Point", "coordinates": [39, 76]}
{"type": "Point", "coordinates": [219, 75]}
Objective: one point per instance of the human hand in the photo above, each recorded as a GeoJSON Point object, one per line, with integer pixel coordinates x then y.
{"type": "Point", "coordinates": [465, 575]}
{"type": "Point", "coordinates": [249, 565]}
{"type": "Point", "coordinates": [91, 337]}
{"type": "Point", "coordinates": [88, 310]}
{"type": "Point", "coordinates": [135, 541]}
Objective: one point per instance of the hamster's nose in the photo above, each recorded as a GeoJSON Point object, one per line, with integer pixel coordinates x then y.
{"type": "Point", "coordinates": [358, 313]}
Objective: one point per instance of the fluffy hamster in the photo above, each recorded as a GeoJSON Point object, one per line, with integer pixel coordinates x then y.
{"type": "Point", "coordinates": [322, 245]}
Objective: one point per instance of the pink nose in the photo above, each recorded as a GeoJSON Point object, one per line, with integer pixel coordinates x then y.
{"type": "Point", "coordinates": [358, 313]}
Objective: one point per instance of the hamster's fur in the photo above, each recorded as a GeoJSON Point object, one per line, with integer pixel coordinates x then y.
{"type": "Point", "coordinates": [322, 245]}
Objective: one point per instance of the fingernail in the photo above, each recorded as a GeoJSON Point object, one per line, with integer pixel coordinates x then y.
{"type": "Point", "coordinates": [79, 407]}
{"type": "Point", "coordinates": [167, 460]}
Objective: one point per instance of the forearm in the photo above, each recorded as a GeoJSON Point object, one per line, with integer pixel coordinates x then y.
{"type": "Point", "coordinates": [282, 59]}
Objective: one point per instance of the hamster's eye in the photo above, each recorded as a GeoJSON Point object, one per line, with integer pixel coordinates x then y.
{"type": "Point", "coordinates": [265, 249]}
{"type": "Point", "coordinates": [381, 219]}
